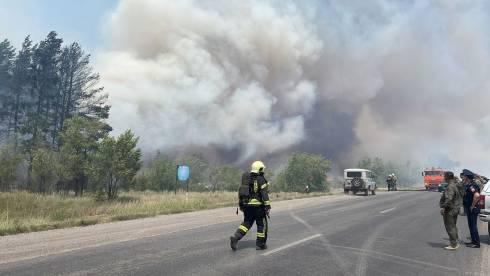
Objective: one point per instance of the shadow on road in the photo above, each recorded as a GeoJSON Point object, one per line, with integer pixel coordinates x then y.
{"type": "Point", "coordinates": [437, 244]}
{"type": "Point", "coordinates": [246, 244]}
{"type": "Point", "coordinates": [485, 238]}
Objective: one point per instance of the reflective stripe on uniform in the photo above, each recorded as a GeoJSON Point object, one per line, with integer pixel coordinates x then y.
{"type": "Point", "coordinates": [260, 235]}
{"type": "Point", "coordinates": [264, 186]}
{"type": "Point", "coordinates": [254, 202]}
{"type": "Point", "coordinates": [243, 228]}
{"type": "Point", "coordinates": [266, 226]}
{"type": "Point", "coordinates": [267, 202]}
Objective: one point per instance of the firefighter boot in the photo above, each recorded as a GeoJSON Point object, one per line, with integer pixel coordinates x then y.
{"type": "Point", "coordinates": [233, 242]}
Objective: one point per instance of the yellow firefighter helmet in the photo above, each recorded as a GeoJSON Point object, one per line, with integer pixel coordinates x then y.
{"type": "Point", "coordinates": [257, 166]}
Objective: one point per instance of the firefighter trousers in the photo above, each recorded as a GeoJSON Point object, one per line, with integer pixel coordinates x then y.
{"type": "Point", "coordinates": [254, 214]}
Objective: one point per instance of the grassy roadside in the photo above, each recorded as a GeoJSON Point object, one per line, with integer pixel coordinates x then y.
{"type": "Point", "coordinates": [26, 212]}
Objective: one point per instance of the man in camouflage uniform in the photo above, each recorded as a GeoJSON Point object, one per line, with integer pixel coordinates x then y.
{"type": "Point", "coordinates": [450, 203]}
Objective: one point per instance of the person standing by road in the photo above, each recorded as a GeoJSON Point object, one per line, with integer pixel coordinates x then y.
{"type": "Point", "coordinates": [254, 202]}
{"type": "Point", "coordinates": [389, 182]}
{"type": "Point", "coordinates": [451, 201]}
{"type": "Point", "coordinates": [472, 209]}
{"type": "Point", "coordinates": [395, 182]}
{"type": "Point", "coordinates": [480, 181]}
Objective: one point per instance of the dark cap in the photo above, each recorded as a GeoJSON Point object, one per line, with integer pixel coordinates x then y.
{"type": "Point", "coordinates": [468, 174]}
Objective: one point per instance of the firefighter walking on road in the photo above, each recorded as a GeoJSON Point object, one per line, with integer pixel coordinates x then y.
{"type": "Point", "coordinates": [254, 203]}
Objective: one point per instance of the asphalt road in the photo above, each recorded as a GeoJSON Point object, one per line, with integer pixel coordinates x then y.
{"type": "Point", "coordinates": [397, 233]}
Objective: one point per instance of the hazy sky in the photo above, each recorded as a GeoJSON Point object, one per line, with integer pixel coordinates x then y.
{"type": "Point", "coordinates": [82, 21]}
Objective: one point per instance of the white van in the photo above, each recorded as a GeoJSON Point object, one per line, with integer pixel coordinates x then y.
{"type": "Point", "coordinates": [485, 205]}
{"type": "Point", "coordinates": [356, 180]}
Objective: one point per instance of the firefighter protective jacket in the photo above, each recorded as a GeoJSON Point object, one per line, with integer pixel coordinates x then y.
{"type": "Point", "coordinates": [259, 192]}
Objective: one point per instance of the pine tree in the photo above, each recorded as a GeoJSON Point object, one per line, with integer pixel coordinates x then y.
{"type": "Point", "coordinates": [43, 85]}
{"type": "Point", "coordinates": [20, 87]}
{"type": "Point", "coordinates": [43, 88]}
{"type": "Point", "coordinates": [78, 91]}
{"type": "Point", "coordinates": [7, 55]}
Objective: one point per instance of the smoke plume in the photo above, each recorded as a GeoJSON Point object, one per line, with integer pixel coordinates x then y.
{"type": "Point", "coordinates": [403, 80]}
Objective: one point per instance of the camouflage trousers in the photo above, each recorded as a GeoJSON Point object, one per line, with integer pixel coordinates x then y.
{"type": "Point", "coordinates": [450, 222]}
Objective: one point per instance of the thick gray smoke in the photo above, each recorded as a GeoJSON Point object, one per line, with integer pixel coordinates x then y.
{"type": "Point", "coordinates": [404, 80]}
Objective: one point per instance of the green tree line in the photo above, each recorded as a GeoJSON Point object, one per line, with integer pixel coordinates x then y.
{"type": "Point", "coordinates": [301, 169]}
{"type": "Point", "coordinates": [89, 160]}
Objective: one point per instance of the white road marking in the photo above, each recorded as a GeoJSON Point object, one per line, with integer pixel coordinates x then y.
{"type": "Point", "coordinates": [387, 210]}
{"type": "Point", "coordinates": [338, 260]}
{"type": "Point", "coordinates": [291, 245]}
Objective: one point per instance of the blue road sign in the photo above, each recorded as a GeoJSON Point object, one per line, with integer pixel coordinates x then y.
{"type": "Point", "coordinates": [183, 173]}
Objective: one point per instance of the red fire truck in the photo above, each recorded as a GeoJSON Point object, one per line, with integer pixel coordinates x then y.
{"type": "Point", "coordinates": [433, 178]}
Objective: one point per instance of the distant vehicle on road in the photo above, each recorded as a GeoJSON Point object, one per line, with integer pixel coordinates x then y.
{"type": "Point", "coordinates": [485, 205]}
{"type": "Point", "coordinates": [359, 180]}
{"type": "Point", "coordinates": [433, 178]}
{"type": "Point", "coordinates": [442, 187]}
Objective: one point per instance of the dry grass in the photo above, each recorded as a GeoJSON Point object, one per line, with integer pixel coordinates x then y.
{"type": "Point", "coordinates": [26, 212]}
